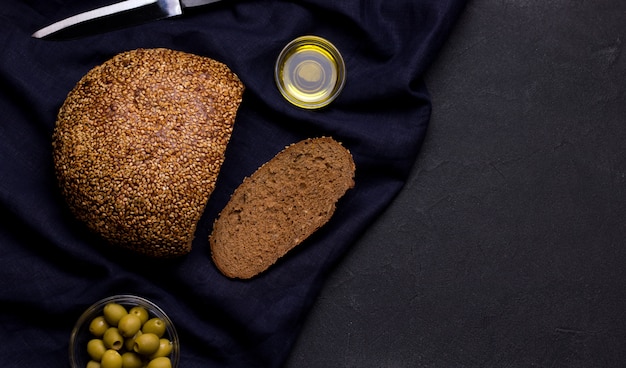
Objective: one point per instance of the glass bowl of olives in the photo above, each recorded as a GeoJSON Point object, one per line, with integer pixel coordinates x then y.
{"type": "Point", "coordinates": [124, 331]}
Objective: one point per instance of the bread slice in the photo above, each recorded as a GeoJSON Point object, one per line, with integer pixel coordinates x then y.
{"type": "Point", "coordinates": [280, 205]}
{"type": "Point", "coordinates": [138, 145]}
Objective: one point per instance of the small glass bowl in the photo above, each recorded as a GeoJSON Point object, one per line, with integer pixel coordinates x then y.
{"type": "Point", "coordinates": [80, 334]}
{"type": "Point", "coordinates": [310, 72]}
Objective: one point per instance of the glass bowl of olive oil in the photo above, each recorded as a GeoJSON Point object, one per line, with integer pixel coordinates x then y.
{"type": "Point", "coordinates": [310, 72]}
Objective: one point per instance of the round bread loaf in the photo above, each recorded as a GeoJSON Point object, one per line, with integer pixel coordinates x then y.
{"type": "Point", "coordinates": [138, 145]}
{"type": "Point", "coordinates": [280, 205]}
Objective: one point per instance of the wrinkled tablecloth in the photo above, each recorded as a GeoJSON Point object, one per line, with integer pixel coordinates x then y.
{"type": "Point", "coordinates": [52, 268]}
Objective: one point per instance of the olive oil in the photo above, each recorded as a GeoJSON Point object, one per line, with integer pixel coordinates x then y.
{"type": "Point", "coordinates": [310, 72]}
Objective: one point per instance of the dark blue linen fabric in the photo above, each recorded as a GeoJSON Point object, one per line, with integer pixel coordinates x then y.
{"type": "Point", "coordinates": [52, 268]}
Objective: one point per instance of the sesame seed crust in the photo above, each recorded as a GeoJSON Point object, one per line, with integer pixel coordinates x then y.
{"type": "Point", "coordinates": [139, 143]}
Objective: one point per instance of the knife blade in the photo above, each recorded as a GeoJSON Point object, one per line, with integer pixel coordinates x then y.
{"type": "Point", "coordinates": [115, 16]}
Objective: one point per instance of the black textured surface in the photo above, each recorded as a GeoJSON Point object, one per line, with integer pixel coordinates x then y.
{"type": "Point", "coordinates": [507, 246]}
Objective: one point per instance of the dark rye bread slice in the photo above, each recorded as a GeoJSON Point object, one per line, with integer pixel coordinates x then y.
{"type": "Point", "coordinates": [138, 145]}
{"type": "Point", "coordinates": [280, 205]}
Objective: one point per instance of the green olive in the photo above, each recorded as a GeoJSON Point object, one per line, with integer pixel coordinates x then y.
{"type": "Point", "coordinates": [111, 359]}
{"type": "Point", "coordinates": [128, 339]}
{"type": "Point", "coordinates": [146, 344]}
{"type": "Point", "coordinates": [165, 349]}
{"type": "Point", "coordinates": [97, 326]}
{"type": "Point", "coordinates": [129, 342]}
{"type": "Point", "coordinates": [113, 312]}
{"type": "Point", "coordinates": [113, 339]}
{"type": "Point", "coordinates": [140, 312]}
{"type": "Point", "coordinates": [154, 325]}
{"type": "Point", "coordinates": [93, 364]}
{"type": "Point", "coordinates": [95, 349]}
{"type": "Point", "coordinates": [129, 325]}
{"type": "Point", "coordinates": [161, 362]}
{"type": "Point", "coordinates": [131, 360]}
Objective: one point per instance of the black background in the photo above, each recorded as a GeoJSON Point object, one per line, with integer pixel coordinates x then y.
{"type": "Point", "coordinates": [507, 246]}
